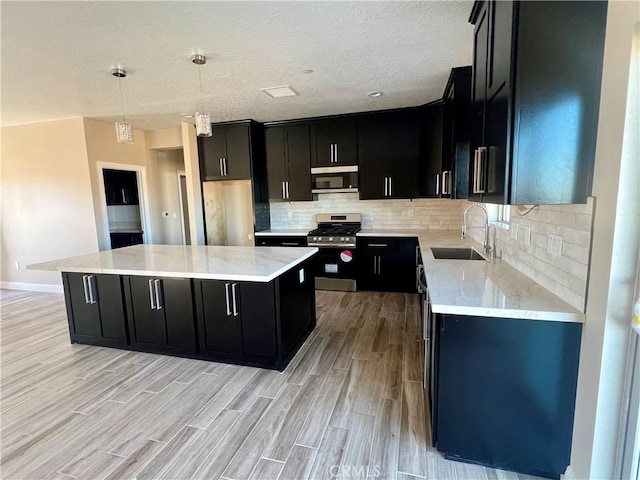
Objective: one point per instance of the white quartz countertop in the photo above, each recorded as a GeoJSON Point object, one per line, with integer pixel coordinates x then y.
{"type": "Point", "coordinates": [490, 288]}
{"type": "Point", "coordinates": [283, 233]}
{"type": "Point", "coordinates": [247, 264]}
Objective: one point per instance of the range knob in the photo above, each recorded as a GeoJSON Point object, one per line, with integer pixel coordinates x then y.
{"type": "Point", "coordinates": [331, 239]}
{"type": "Point", "coordinates": [342, 239]}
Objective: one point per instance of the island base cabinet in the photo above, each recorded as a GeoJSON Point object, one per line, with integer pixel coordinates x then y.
{"type": "Point", "coordinates": [95, 309]}
{"type": "Point", "coordinates": [160, 314]}
{"type": "Point", "coordinates": [506, 392]}
{"type": "Point", "coordinates": [236, 321]}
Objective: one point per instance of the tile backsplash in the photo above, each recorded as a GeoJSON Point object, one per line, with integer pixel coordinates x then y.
{"type": "Point", "coordinates": [566, 275]}
{"type": "Point", "coordinates": [418, 214]}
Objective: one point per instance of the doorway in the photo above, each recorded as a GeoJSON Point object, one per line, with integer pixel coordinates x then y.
{"type": "Point", "coordinates": [184, 210]}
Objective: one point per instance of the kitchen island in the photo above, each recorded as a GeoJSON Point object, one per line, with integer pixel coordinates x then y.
{"type": "Point", "coordinates": [242, 305]}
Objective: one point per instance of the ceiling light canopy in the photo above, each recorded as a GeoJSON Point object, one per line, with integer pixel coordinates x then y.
{"type": "Point", "coordinates": [124, 130]}
{"type": "Point", "coordinates": [202, 118]}
{"type": "Point", "coordinates": [374, 94]}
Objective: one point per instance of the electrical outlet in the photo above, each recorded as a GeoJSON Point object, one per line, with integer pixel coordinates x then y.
{"type": "Point", "coordinates": [554, 245]}
{"type": "Point", "coordinates": [410, 213]}
{"type": "Point", "coordinates": [527, 235]}
{"type": "Point", "coordinates": [513, 231]}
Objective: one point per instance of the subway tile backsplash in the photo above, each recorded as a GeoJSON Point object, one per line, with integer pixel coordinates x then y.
{"type": "Point", "coordinates": [418, 214]}
{"type": "Point", "coordinates": [567, 275]}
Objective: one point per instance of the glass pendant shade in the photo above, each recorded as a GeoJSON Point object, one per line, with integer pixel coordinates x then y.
{"type": "Point", "coordinates": [124, 132]}
{"type": "Point", "coordinates": [203, 124]}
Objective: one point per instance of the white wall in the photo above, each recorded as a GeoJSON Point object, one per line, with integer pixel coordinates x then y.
{"type": "Point", "coordinates": [47, 205]}
{"type": "Point", "coordinates": [406, 214]}
{"type": "Point", "coordinates": [194, 194]}
{"type": "Point", "coordinates": [165, 166]}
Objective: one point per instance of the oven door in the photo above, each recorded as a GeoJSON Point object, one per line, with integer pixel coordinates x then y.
{"type": "Point", "coordinates": [336, 269]}
{"type": "Point", "coordinates": [334, 179]}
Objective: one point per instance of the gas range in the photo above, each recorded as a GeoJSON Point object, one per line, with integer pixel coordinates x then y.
{"type": "Point", "coordinates": [335, 230]}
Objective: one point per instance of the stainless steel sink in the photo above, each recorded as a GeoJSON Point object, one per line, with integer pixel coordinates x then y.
{"type": "Point", "coordinates": [456, 254]}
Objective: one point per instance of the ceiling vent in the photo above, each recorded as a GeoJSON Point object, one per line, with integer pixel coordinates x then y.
{"type": "Point", "coordinates": [279, 92]}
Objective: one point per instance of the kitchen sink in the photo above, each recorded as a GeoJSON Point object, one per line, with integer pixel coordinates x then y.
{"type": "Point", "coordinates": [456, 254]}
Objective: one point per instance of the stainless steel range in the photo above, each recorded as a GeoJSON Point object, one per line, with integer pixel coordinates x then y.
{"type": "Point", "coordinates": [336, 239]}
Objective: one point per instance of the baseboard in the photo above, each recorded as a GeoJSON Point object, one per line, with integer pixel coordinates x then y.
{"type": "Point", "coordinates": [32, 287]}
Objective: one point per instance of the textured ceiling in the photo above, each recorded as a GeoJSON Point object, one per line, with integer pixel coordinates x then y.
{"type": "Point", "coordinates": [57, 57]}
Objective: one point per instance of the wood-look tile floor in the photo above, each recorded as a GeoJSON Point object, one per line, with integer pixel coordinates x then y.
{"type": "Point", "coordinates": [349, 406]}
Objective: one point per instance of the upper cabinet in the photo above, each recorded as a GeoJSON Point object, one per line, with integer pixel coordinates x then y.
{"type": "Point", "coordinates": [334, 142]}
{"type": "Point", "coordinates": [120, 187]}
{"type": "Point", "coordinates": [226, 155]}
{"type": "Point", "coordinates": [432, 173]}
{"type": "Point", "coordinates": [288, 162]}
{"type": "Point", "coordinates": [389, 149]}
{"type": "Point", "coordinates": [535, 100]}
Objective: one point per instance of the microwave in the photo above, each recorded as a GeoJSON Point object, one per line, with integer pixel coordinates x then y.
{"type": "Point", "coordinates": [334, 179]}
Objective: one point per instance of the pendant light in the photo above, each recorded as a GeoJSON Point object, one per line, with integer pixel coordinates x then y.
{"type": "Point", "coordinates": [202, 119]}
{"type": "Point", "coordinates": [124, 131]}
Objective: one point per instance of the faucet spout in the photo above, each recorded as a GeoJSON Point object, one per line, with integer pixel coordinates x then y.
{"type": "Point", "coordinates": [463, 235]}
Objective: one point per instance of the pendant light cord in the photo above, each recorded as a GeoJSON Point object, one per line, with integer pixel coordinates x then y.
{"type": "Point", "coordinates": [200, 80]}
{"type": "Point", "coordinates": [121, 98]}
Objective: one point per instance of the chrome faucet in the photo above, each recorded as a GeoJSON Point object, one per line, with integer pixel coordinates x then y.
{"type": "Point", "coordinates": [487, 247]}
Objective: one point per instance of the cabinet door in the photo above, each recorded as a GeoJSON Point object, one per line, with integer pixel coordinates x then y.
{"type": "Point", "coordinates": [112, 326]}
{"type": "Point", "coordinates": [431, 164]}
{"type": "Point", "coordinates": [84, 317]}
{"type": "Point", "coordinates": [404, 152]}
{"type": "Point", "coordinates": [297, 307]}
{"type": "Point", "coordinates": [211, 151]}
{"type": "Point", "coordinates": [220, 332]}
{"type": "Point", "coordinates": [255, 303]}
{"type": "Point", "coordinates": [146, 323]}
{"type": "Point", "coordinates": [276, 162]}
{"type": "Point", "coordinates": [373, 157]}
{"type": "Point", "coordinates": [179, 323]}
{"type": "Point", "coordinates": [499, 46]}
{"type": "Point", "coordinates": [335, 143]}
{"type": "Point", "coordinates": [299, 166]}
{"type": "Point", "coordinates": [238, 156]}
{"type": "Point", "coordinates": [406, 265]}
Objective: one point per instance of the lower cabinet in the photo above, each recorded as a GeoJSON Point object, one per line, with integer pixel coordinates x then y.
{"type": "Point", "coordinates": [95, 309]}
{"type": "Point", "coordinates": [281, 241]}
{"type": "Point", "coordinates": [506, 391]}
{"type": "Point", "coordinates": [160, 314]}
{"type": "Point", "coordinates": [387, 264]}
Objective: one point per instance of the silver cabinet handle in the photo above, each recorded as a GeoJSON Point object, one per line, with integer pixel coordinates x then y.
{"type": "Point", "coordinates": [331, 153]}
{"type": "Point", "coordinates": [226, 294]}
{"type": "Point", "coordinates": [417, 254]}
{"type": "Point", "coordinates": [156, 284]}
{"type": "Point", "coordinates": [85, 286]}
{"type": "Point", "coordinates": [221, 170]}
{"type": "Point", "coordinates": [226, 167]}
{"type": "Point", "coordinates": [151, 295]}
{"type": "Point", "coordinates": [335, 156]}
{"type": "Point", "coordinates": [446, 181]}
{"type": "Point", "coordinates": [385, 186]}
{"type": "Point", "coordinates": [284, 196]}
{"type": "Point", "coordinates": [377, 245]}
{"type": "Point", "coordinates": [482, 151]}
{"type": "Point", "coordinates": [375, 265]}
{"type": "Point", "coordinates": [290, 244]}
{"type": "Point", "coordinates": [287, 189]}
{"type": "Point", "coordinates": [124, 195]}
{"type": "Point", "coordinates": [475, 171]}
{"type": "Point", "coordinates": [437, 184]}
{"type": "Point", "coordinates": [91, 298]}
{"type": "Point", "coordinates": [379, 265]}
{"type": "Point", "coordinates": [390, 187]}
{"type": "Point", "coordinates": [233, 294]}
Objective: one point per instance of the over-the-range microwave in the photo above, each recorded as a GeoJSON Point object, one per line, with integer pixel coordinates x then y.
{"type": "Point", "coordinates": [334, 179]}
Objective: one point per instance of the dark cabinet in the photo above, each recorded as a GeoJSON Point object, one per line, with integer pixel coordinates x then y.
{"type": "Point", "coordinates": [535, 100]}
{"type": "Point", "coordinates": [236, 320]}
{"type": "Point", "coordinates": [281, 241]}
{"type": "Point", "coordinates": [119, 240]}
{"type": "Point", "coordinates": [227, 154]}
{"type": "Point", "coordinates": [334, 143]}
{"type": "Point", "coordinates": [506, 392]}
{"type": "Point", "coordinates": [387, 264]}
{"type": "Point", "coordinates": [160, 314]}
{"type": "Point", "coordinates": [121, 187]}
{"type": "Point", "coordinates": [434, 176]}
{"type": "Point", "coordinates": [95, 309]}
{"type": "Point", "coordinates": [288, 162]}
{"type": "Point", "coordinates": [389, 149]}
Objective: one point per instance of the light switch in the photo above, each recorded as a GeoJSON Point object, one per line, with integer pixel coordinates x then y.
{"type": "Point", "coordinates": [554, 245]}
